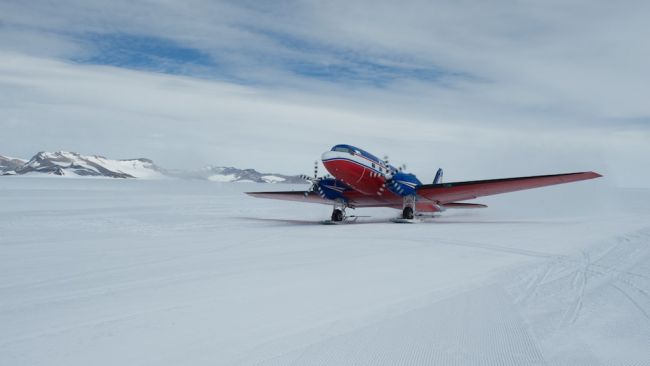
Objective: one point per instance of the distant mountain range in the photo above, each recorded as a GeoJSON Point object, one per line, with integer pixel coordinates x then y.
{"type": "Point", "coordinates": [65, 163]}
{"type": "Point", "coordinates": [70, 164]}
{"type": "Point", "coordinates": [230, 174]}
{"type": "Point", "coordinates": [7, 163]}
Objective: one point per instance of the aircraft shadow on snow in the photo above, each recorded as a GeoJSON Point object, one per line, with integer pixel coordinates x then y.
{"type": "Point", "coordinates": [366, 220]}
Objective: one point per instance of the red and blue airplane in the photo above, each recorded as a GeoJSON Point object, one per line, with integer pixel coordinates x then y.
{"type": "Point", "coordinates": [360, 179]}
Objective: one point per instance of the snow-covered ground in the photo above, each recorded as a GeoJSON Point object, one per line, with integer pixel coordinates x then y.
{"type": "Point", "coordinates": [173, 272]}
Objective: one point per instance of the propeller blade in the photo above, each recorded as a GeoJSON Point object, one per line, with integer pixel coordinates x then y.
{"type": "Point", "coordinates": [311, 188]}
{"type": "Point", "coordinates": [315, 180]}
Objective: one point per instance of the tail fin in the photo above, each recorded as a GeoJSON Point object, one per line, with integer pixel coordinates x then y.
{"type": "Point", "coordinates": [438, 178]}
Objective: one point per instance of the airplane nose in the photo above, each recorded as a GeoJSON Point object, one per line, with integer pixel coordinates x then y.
{"type": "Point", "coordinates": [326, 158]}
{"type": "Point", "coordinates": [329, 155]}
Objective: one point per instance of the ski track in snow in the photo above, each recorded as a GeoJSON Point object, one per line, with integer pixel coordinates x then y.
{"type": "Point", "coordinates": [171, 272]}
{"type": "Point", "coordinates": [479, 327]}
{"type": "Point", "coordinates": [571, 292]}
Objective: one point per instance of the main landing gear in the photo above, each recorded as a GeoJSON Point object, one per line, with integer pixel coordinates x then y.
{"type": "Point", "coordinates": [408, 207]}
{"type": "Point", "coordinates": [408, 211]}
{"type": "Point", "coordinates": [338, 214]}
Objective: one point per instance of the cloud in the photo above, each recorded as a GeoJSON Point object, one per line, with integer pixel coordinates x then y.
{"type": "Point", "coordinates": [489, 89]}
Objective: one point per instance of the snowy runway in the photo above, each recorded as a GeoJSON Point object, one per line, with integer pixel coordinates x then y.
{"type": "Point", "coordinates": [109, 272]}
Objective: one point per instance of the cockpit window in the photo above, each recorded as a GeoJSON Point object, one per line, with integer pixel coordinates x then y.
{"type": "Point", "coordinates": [342, 149]}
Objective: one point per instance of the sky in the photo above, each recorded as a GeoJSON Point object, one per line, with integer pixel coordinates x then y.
{"type": "Point", "coordinates": [483, 89]}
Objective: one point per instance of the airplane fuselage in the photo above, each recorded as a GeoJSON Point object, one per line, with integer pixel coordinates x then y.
{"type": "Point", "coordinates": [366, 173]}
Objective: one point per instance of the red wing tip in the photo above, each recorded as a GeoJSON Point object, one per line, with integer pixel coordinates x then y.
{"type": "Point", "coordinates": [593, 175]}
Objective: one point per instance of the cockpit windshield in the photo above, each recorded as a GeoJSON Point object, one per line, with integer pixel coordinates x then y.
{"type": "Point", "coordinates": [355, 151]}
{"type": "Point", "coordinates": [342, 149]}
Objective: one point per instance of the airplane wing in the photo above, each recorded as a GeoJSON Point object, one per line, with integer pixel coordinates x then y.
{"type": "Point", "coordinates": [298, 196]}
{"type": "Point", "coordinates": [444, 193]}
{"type": "Point", "coordinates": [355, 199]}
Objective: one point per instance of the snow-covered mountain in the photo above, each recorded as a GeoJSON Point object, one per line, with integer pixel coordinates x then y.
{"type": "Point", "coordinates": [230, 174]}
{"type": "Point", "coordinates": [8, 164]}
{"type": "Point", "coordinates": [71, 164]}
{"type": "Point", "coordinates": [66, 163]}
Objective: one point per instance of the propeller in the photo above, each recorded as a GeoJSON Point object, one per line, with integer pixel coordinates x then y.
{"type": "Point", "coordinates": [389, 176]}
{"type": "Point", "coordinates": [390, 171]}
{"type": "Point", "coordinates": [309, 178]}
{"type": "Point", "coordinates": [313, 180]}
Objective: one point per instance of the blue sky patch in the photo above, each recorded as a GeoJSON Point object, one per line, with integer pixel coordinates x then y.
{"type": "Point", "coordinates": [308, 59]}
{"type": "Point", "coordinates": [146, 53]}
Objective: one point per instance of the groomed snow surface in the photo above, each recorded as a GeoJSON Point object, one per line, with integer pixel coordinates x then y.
{"type": "Point", "coordinates": [172, 272]}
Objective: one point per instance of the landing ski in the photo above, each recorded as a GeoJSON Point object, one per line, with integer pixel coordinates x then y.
{"type": "Point", "coordinates": [330, 222]}
{"type": "Point", "coordinates": [346, 220]}
{"type": "Point", "coordinates": [400, 220]}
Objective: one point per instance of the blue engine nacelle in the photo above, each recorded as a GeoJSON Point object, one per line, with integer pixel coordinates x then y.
{"type": "Point", "coordinates": [331, 188]}
{"type": "Point", "coordinates": [403, 184]}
